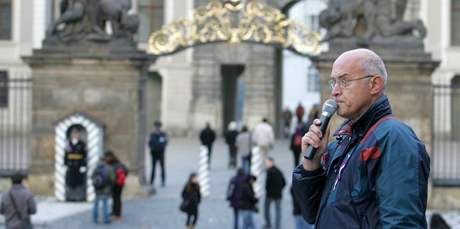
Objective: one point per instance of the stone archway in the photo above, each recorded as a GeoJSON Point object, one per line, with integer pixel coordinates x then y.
{"type": "Point", "coordinates": [233, 33]}
{"type": "Point", "coordinates": [233, 21]}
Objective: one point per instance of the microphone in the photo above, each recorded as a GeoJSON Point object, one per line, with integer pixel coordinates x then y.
{"type": "Point", "coordinates": [329, 108]}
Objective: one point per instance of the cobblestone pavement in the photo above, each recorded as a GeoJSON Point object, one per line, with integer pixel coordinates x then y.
{"type": "Point", "coordinates": [160, 211]}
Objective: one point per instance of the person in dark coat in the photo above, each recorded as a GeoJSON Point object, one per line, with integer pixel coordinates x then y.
{"type": "Point", "coordinates": [192, 197]}
{"type": "Point", "coordinates": [157, 143]}
{"type": "Point", "coordinates": [233, 195]}
{"type": "Point", "coordinates": [207, 138]}
{"type": "Point", "coordinates": [121, 172]}
{"type": "Point", "coordinates": [296, 142]}
{"type": "Point", "coordinates": [247, 201]}
{"type": "Point", "coordinates": [374, 174]}
{"type": "Point", "coordinates": [273, 187]}
{"type": "Point", "coordinates": [75, 158]}
{"type": "Point", "coordinates": [17, 205]}
{"type": "Point", "coordinates": [230, 139]}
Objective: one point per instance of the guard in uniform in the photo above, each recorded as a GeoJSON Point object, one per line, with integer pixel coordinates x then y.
{"type": "Point", "coordinates": [75, 160]}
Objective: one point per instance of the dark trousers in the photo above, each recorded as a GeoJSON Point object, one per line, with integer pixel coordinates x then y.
{"type": "Point", "coordinates": [268, 202]}
{"type": "Point", "coordinates": [158, 157]}
{"type": "Point", "coordinates": [116, 199]}
{"type": "Point", "coordinates": [232, 151]}
{"type": "Point", "coordinates": [209, 153]}
{"type": "Point", "coordinates": [190, 221]}
{"type": "Point", "coordinates": [296, 155]}
{"type": "Point", "coordinates": [235, 218]}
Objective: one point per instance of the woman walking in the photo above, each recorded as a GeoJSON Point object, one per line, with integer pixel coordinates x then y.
{"type": "Point", "coordinates": [191, 198]}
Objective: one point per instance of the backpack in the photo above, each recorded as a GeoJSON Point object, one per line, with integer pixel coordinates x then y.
{"type": "Point", "coordinates": [120, 175]}
{"type": "Point", "coordinates": [100, 177]}
{"type": "Point", "coordinates": [297, 139]}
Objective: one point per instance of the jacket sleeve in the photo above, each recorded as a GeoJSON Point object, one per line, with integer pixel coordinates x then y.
{"type": "Point", "coordinates": [402, 181]}
{"type": "Point", "coordinates": [308, 187]}
{"type": "Point", "coordinates": [32, 205]}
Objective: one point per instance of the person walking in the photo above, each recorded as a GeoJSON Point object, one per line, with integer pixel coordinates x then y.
{"type": "Point", "coordinates": [264, 137]}
{"type": "Point", "coordinates": [230, 139]}
{"type": "Point", "coordinates": [103, 178]}
{"type": "Point", "coordinates": [299, 112]}
{"type": "Point", "coordinates": [157, 143]}
{"type": "Point", "coordinates": [233, 195]}
{"type": "Point", "coordinates": [191, 198]}
{"type": "Point", "coordinates": [121, 172]}
{"type": "Point", "coordinates": [287, 118]}
{"type": "Point", "coordinates": [274, 185]}
{"type": "Point", "coordinates": [17, 205]}
{"type": "Point", "coordinates": [247, 201]}
{"type": "Point", "coordinates": [207, 138]}
{"type": "Point", "coordinates": [243, 145]}
{"type": "Point", "coordinates": [296, 142]}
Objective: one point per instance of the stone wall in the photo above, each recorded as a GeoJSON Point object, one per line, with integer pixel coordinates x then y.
{"type": "Point", "coordinates": [107, 89]}
{"type": "Point", "coordinates": [259, 78]}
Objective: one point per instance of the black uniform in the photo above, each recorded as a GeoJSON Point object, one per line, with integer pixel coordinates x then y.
{"type": "Point", "coordinates": [75, 180]}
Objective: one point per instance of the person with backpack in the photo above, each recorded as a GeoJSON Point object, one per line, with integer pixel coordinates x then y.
{"type": "Point", "coordinates": [247, 201]}
{"type": "Point", "coordinates": [17, 205]}
{"type": "Point", "coordinates": [102, 178]}
{"type": "Point", "coordinates": [191, 198]}
{"type": "Point", "coordinates": [233, 195]}
{"type": "Point", "coordinates": [296, 142]}
{"type": "Point", "coordinates": [121, 171]}
{"type": "Point", "coordinates": [157, 143]}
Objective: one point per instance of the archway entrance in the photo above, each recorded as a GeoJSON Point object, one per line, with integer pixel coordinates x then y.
{"type": "Point", "coordinates": [232, 93]}
{"type": "Point", "coordinates": [232, 22]}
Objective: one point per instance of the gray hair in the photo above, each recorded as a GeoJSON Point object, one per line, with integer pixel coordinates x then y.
{"type": "Point", "coordinates": [373, 65]}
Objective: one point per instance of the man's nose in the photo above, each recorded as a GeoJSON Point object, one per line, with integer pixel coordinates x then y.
{"type": "Point", "coordinates": [335, 90]}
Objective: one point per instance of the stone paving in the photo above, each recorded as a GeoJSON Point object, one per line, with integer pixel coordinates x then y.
{"type": "Point", "coordinates": [161, 210]}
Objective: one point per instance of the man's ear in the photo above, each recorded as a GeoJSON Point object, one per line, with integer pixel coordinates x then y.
{"type": "Point", "coordinates": [376, 85]}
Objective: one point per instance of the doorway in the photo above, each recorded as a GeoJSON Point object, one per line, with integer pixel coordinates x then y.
{"type": "Point", "coordinates": [233, 90]}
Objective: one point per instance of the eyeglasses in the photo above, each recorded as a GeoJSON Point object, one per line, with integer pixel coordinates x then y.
{"type": "Point", "coordinates": [343, 83]}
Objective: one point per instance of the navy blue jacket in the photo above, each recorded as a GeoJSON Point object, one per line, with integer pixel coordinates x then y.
{"type": "Point", "coordinates": [374, 175]}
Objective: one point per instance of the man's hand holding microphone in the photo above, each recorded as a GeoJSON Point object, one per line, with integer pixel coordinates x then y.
{"type": "Point", "coordinates": [314, 142]}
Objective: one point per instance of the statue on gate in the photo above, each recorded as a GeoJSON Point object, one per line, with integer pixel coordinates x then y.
{"type": "Point", "coordinates": [75, 159]}
{"type": "Point", "coordinates": [87, 19]}
{"type": "Point", "coordinates": [369, 19]}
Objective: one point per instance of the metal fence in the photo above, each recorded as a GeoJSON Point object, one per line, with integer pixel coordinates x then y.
{"type": "Point", "coordinates": [15, 122]}
{"type": "Point", "coordinates": [446, 135]}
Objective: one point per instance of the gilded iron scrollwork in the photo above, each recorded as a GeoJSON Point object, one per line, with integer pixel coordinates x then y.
{"type": "Point", "coordinates": [233, 21]}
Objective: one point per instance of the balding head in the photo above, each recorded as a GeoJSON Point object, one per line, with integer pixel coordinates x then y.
{"type": "Point", "coordinates": [364, 60]}
{"type": "Point", "coordinates": [361, 77]}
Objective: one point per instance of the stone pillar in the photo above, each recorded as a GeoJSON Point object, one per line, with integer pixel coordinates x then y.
{"type": "Point", "coordinates": [408, 88]}
{"type": "Point", "coordinates": [105, 85]}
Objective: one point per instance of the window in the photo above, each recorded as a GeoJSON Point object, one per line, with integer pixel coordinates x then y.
{"type": "Point", "coordinates": [3, 89]}
{"type": "Point", "coordinates": [5, 19]}
{"type": "Point", "coordinates": [151, 17]}
{"type": "Point", "coordinates": [455, 23]}
{"type": "Point", "coordinates": [312, 79]}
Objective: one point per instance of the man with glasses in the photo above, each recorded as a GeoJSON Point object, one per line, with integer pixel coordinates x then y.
{"type": "Point", "coordinates": [374, 174]}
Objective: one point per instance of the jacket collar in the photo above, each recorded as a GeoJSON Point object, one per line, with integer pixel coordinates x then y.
{"type": "Point", "coordinates": [380, 108]}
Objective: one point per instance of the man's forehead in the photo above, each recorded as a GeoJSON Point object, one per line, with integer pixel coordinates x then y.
{"type": "Point", "coordinates": [339, 75]}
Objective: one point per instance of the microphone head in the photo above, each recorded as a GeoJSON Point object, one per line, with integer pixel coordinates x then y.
{"type": "Point", "coordinates": [329, 107]}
